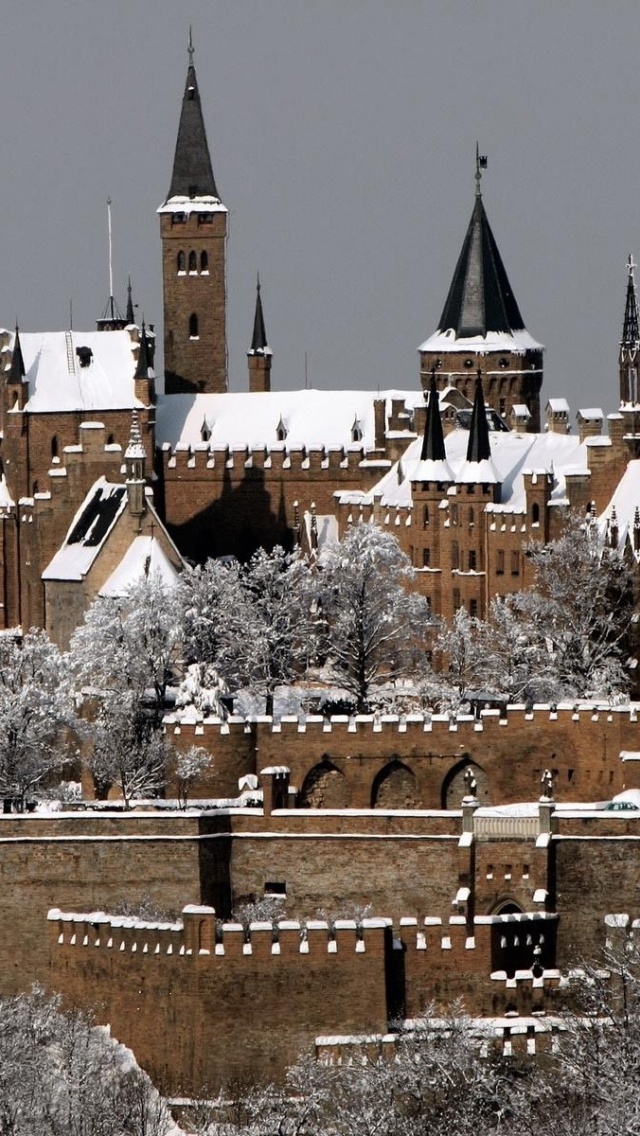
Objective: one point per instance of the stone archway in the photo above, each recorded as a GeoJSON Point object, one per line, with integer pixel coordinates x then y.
{"type": "Point", "coordinates": [454, 788]}
{"type": "Point", "coordinates": [395, 787]}
{"type": "Point", "coordinates": [324, 787]}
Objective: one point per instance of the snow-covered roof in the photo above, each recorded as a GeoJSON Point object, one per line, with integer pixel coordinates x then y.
{"type": "Point", "coordinates": [591, 414]}
{"type": "Point", "coordinates": [512, 455]}
{"type": "Point", "coordinates": [312, 418]}
{"type": "Point", "coordinates": [144, 557]}
{"type": "Point", "coordinates": [58, 381]}
{"type": "Point", "coordinates": [558, 406]}
{"type": "Point", "coordinates": [204, 204]}
{"type": "Point", "coordinates": [515, 342]}
{"type": "Point", "coordinates": [625, 501]}
{"type": "Point", "coordinates": [6, 500]}
{"type": "Point", "coordinates": [89, 530]}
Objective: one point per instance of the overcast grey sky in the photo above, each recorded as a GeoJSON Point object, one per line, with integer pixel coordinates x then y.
{"type": "Point", "coordinates": [342, 135]}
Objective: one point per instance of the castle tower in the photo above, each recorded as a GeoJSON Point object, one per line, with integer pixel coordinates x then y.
{"type": "Point", "coordinates": [134, 458]}
{"type": "Point", "coordinates": [193, 229]}
{"type": "Point", "coordinates": [481, 328]}
{"type": "Point", "coordinates": [630, 342]}
{"type": "Point", "coordinates": [259, 354]}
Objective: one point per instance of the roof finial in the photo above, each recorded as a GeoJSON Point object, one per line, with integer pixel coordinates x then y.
{"type": "Point", "coordinates": [481, 164]}
{"type": "Point", "coordinates": [190, 48]}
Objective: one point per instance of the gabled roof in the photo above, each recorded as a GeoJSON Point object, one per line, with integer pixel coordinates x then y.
{"type": "Point", "coordinates": [192, 175]}
{"type": "Point", "coordinates": [144, 557]}
{"type": "Point", "coordinates": [88, 532]}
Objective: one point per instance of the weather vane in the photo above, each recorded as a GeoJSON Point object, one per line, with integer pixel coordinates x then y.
{"type": "Point", "coordinates": [481, 164]}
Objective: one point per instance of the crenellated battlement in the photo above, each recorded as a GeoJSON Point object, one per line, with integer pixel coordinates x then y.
{"type": "Point", "coordinates": [187, 460]}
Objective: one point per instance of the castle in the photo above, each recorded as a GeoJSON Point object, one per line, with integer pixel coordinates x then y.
{"type": "Point", "coordinates": [472, 893]}
{"type": "Point", "coordinates": [457, 469]}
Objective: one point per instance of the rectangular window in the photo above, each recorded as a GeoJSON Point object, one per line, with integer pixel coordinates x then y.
{"type": "Point", "coordinates": [473, 562]}
{"type": "Point", "coordinates": [276, 888]}
{"type": "Point", "coordinates": [178, 218]}
{"type": "Point", "coordinates": [456, 599]}
{"type": "Point", "coordinates": [455, 555]}
{"type": "Point", "coordinates": [426, 557]}
{"type": "Point", "coordinates": [473, 609]}
{"type": "Point", "coordinates": [500, 563]}
{"type": "Point", "coordinates": [515, 563]}
{"type": "Point", "coordinates": [454, 514]}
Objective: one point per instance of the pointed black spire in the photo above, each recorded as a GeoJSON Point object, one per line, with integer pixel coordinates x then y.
{"type": "Point", "coordinates": [631, 326]}
{"type": "Point", "coordinates": [259, 341]}
{"type": "Point", "coordinates": [144, 355]}
{"type": "Point", "coordinates": [192, 170]}
{"type": "Point", "coordinates": [479, 448]}
{"type": "Point", "coordinates": [130, 316]}
{"type": "Point", "coordinates": [480, 298]}
{"type": "Point", "coordinates": [16, 370]}
{"type": "Point", "coordinates": [433, 441]}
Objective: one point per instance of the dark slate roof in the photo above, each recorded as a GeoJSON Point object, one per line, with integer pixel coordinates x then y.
{"type": "Point", "coordinates": [433, 441]}
{"type": "Point", "coordinates": [630, 328]}
{"type": "Point", "coordinates": [144, 362]}
{"type": "Point", "coordinates": [480, 298]}
{"type": "Point", "coordinates": [479, 448]}
{"type": "Point", "coordinates": [192, 170]}
{"type": "Point", "coordinates": [16, 370]}
{"type": "Point", "coordinates": [259, 341]}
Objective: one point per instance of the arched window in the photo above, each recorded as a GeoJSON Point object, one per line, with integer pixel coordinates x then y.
{"type": "Point", "coordinates": [54, 446]}
{"type": "Point", "coordinates": [204, 261]}
{"type": "Point", "coordinates": [193, 262]}
{"type": "Point", "coordinates": [111, 440]}
{"type": "Point", "coordinates": [181, 261]}
{"type": "Point", "coordinates": [535, 513]}
{"type": "Point", "coordinates": [193, 326]}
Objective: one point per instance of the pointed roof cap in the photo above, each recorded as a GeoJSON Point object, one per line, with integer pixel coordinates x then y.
{"type": "Point", "coordinates": [479, 447]}
{"type": "Point", "coordinates": [130, 316]}
{"type": "Point", "coordinates": [135, 449]}
{"type": "Point", "coordinates": [143, 368]}
{"type": "Point", "coordinates": [480, 298]}
{"type": "Point", "coordinates": [16, 368]}
{"type": "Point", "coordinates": [259, 345]}
{"type": "Point", "coordinates": [631, 327]}
{"type": "Point", "coordinates": [192, 170]}
{"type": "Point", "coordinates": [433, 441]}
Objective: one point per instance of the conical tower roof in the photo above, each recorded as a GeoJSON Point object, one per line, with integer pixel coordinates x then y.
{"type": "Point", "coordinates": [16, 368]}
{"type": "Point", "coordinates": [192, 175]}
{"type": "Point", "coordinates": [480, 298]}
{"type": "Point", "coordinates": [433, 441]}
{"type": "Point", "coordinates": [259, 344]}
{"type": "Point", "coordinates": [479, 447]}
{"type": "Point", "coordinates": [143, 368]}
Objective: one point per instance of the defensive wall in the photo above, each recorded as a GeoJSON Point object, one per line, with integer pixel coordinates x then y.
{"type": "Point", "coordinates": [418, 761]}
{"type": "Point", "coordinates": [205, 1005]}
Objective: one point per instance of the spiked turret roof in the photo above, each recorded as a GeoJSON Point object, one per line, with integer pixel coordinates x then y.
{"type": "Point", "coordinates": [16, 368]}
{"type": "Point", "coordinates": [630, 328]}
{"type": "Point", "coordinates": [192, 175]}
{"type": "Point", "coordinates": [259, 344]}
{"type": "Point", "coordinates": [479, 448]}
{"type": "Point", "coordinates": [480, 305]}
{"type": "Point", "coordinates": [433, 441]}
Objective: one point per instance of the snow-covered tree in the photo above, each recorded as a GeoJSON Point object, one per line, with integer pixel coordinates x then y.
{"type": "Point", "coordinates": [122, 659]}
{"type": "Point", "coordinates": [190, 765]}
{"type": "Point", "coordinates": [376, 626]}
{"type": "Point", "coordinates": [33, 710]}
{"type": "Point", "coordinates": [207, 594]}
{"type": "Point", "coordinates": [62, 1076]}
{"type": "Point", "coordinates": [202, 689]}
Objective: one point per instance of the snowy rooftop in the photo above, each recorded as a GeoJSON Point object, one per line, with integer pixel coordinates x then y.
{"type": "Point", "coordinates": [625, 501]}
{"type": "Point", "coordinates": [204, 204]}
{"type": "Point", "coordinates": [306, 417]}
{"type": "Point", "coordinates": [58, 380]}
{"type": "Point", "coordinates": [89, 530]}
{"type": "Point", "coordinates": [144, 557]}
{"type": "Point", "coordinates": [512, 455]}
{"type": "Point", "coordinates": [516, 342]}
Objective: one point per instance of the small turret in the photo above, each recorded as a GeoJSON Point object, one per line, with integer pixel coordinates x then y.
{"type": "Point", "coordinates": [259, 354]}
{"type": "Point", "coordinates": [135, 457]}
{"type": "Point", "coordinates": [630, 342]}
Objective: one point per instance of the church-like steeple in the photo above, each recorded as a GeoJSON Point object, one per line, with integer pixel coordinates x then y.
{"type": "Point", "coordinates": [433, 441]}
{"type": "Point", "coordinates": [479, 447]}
{"type": "Point", "coordinates": [192, 170]}
{"type": "Point", "coordinates": [481, 326]}
{"type": "Point", "coordinates": [259, 340]}
{"type": "Point", "coordinates": [130, 316]}
{"type": "Point", "coordinates": [259, 354]}
{"type": "Point", "coordinates": [630, 342]}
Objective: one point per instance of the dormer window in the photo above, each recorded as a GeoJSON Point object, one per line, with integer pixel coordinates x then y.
{"type": "Point", "coordinates": [281, 430]}
{"type": "Point", "coordinates": [85, 355]}
{"type": "Point", "coordinates": [205, 431]}
{"type": "Point", "coordinates": [357, 432]}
